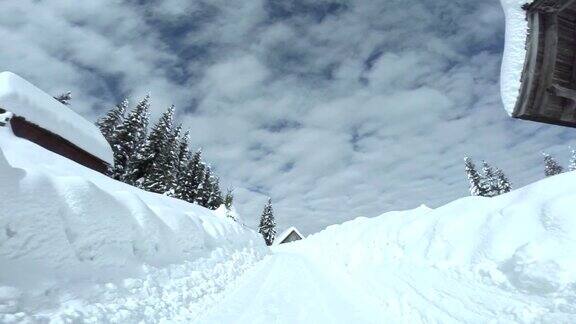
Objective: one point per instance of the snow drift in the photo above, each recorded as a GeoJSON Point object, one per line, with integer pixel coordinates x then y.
{"type": "Point", "coordinates": [70, 233]}
{"type": "Point", "coordinates": [476, 259]}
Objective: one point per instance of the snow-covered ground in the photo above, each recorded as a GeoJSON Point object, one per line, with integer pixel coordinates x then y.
{"type": "Point", "coordinates": [76, 246]}
{"type": "Point", "coordinates": [508, 259]}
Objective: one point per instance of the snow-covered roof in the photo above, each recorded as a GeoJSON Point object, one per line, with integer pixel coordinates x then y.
{"type": "Point", "coordinates": [514, 52]}
{"type": "Point", "coordinates": [26, 100]}
{"type": "Point", "coordinates": [286, 233]}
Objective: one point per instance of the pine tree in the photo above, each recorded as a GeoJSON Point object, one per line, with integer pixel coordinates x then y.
{"type": "Point", "coordinates": [183, 152]}
{"type": "Point", "coordinates": [267, 224]}
{"type": "Point", "coordinates": [161, 177]}
{"type": "Point", "coordinates": [129, 137]}
{"type": "Point", "coordinates": [488, 181]}
{"type": "Point", "coordinates": [474, 178]}
{"type": "Point", "coordinates": [189, 179]}
{"type": "Point", "coordinates": [112, 120]}
{"type": "Point", "coordinates": [216, 200]}
{"type": "Point", "coordinates": [503, 185]}
{"type": "Point", "coordinates": [572, 165]}
{"type": "Point", "coordinates": [228, 202]}
{"type": "Point", "coordinates": [229, 198]}
{"type": "Point", "coordinates": [148, 154]}
{"type": "Point", "coordinates": [551, 166]}
{"type": "Point", "coordinates": [205, 188]}
{"type": "Point", "coordinates": [64, 98]}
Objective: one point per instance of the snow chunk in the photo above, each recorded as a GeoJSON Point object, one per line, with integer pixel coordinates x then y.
{"type": "Point", "coordinates": [24, 99]}
{"type": "Point", "coordinates": [514, 52]}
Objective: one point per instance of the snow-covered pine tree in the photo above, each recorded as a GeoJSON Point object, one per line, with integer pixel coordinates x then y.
{"type": "Point", "coordinates": [229, 198]}
{"type": "Point", "coordinates": [161, 177]}
{"type": "Point", "coordinates": [228, 202]}
{"type": "Point", "coordinates": [205, 188]}
{"type": "Point", "coordinates": [551, 166]}
{"type": "Point", "coordinates": [503, 185]}
{"type": "Point", "coordinates": [147, 154]}
{"type": "Point", "coordinates": [128, 138]}
{"type": "Point", "coordinates": [216, 200]}
{"type": "Point", "coordinates": [267, 225]}
{"type": "Point", "coordinates": [183, 151]}
{"type": "Point", "coordinates": [182, 170]}
{"type": "Point", "coordinates": [572, 165]}
{"type": "Point", "coordinates": [187, 182]}
{"type": "Point", "coordinates": [112, 120]}
{"type": "Point", "coordinates": [474, 178]}
{"type": "Point", "coordinates": [64, 98]}
{"type": "Point", "coordinates": [488, 181]}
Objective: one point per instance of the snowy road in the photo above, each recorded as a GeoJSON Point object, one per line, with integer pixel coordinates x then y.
{"type": "Point", "coordinates": [293, 285]}
{"type": "Point", "coordinates": [287, 288]}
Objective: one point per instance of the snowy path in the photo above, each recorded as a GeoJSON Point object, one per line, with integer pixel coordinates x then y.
{"type": "Point", "coordinates": [290, 286]}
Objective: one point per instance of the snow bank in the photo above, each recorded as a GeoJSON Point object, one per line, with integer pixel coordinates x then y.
{"type": "Point", "coordinates": [24, 99]}
{"type": "Point", "coordinates": [510, 257]}
{"type": "Point", "coordinates": [514, 52]}
{"type": "Point", "coordinates": [71, 239]}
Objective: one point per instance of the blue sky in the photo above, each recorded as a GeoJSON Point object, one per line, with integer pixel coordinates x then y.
{"type": "Point", "coordinates": [335, 109]}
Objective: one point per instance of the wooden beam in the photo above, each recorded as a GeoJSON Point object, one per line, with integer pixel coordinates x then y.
{"type": "Point", "coordinates": [548, 64]}
{"type": "Point", "coordinates": [563, 92]}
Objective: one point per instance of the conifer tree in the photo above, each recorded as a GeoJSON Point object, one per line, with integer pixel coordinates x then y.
{"type": "Point", "coordinates": [474, 178]}
{"type": "Point", "coordinates": [229, 198]}
{"type": "Point", "coordinates": [205, 188]}
{"type": "Point", "coordinates": [572, 165]}
{"type": "Point", "coordinates": [64, 98]}
{"type": "Point", "coordinates": [109, 124]}
{"type": "Point", "coordinates": [503, 185]}
{"type": "Point", "coordinates": [488, 182]}
{"type": "Point", "coordinates": [183, 152]}
{"type": "Point", "coordinates": [129, 137]}
{"type": "Point", "coordinates": [228, 202]}
{"type": "Point", "coordinates": [267, 224]}
{"type": "Point", "coordinates": [161, 177]}
{"type": "Point", "coordinates": [551, 166]}
{"type": "Point", "coordinates": [190, 178]}
{"type": "Point", "coordinates": [150, 152]}
{"type": "Point", "coordinates": [216, 200]}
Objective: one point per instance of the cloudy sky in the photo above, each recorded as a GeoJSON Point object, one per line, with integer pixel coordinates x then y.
{"type": "Point", "coordinates": [335, 109]}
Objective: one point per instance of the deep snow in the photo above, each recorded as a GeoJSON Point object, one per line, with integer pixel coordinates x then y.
{"type": "Point", "coordinates": [24, 99]}
{"type": "Point", "coordinates": [78, 246]}
{"type": "Point", "coordinates": [508, 259]}
{"type": "Point", "coordinates": [514, 52]}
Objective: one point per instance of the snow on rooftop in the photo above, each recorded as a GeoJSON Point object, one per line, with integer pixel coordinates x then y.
{"type": "Point", "coordinates": [285, 234]}
{"type": "Point", "coordinates": [514, 52]}
{"type": "Point", "coordinates": [26, 100]}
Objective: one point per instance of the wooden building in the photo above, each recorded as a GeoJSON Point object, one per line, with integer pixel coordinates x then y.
{"type": "Point", "coordinates": [289, 235]}
{"type": "Point", "coordinates": [41, 119]}
{"type": "Point", "coordinates": [548, 84]}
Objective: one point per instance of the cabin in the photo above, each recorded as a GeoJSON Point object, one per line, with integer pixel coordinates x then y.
{"type": "Point", "coordinates": [34, 115]}
{"type": "Point", "coordinates": [289, 235]}
{"type": "Point", "coordinates": [548, 81]}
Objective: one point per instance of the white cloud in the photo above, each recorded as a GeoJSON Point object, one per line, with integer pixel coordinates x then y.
{"type": "Point", "coordinates": [335, 109]}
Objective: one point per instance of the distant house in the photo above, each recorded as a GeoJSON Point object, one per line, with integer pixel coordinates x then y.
{"type": "Point", "coordinates": [38, 117]}
{"type": "Point", "coordinates": [289, 235]}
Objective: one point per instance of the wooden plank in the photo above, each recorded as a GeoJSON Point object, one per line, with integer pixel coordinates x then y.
{"type": "Point", "coordinates": [549, 62]}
